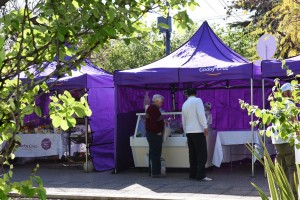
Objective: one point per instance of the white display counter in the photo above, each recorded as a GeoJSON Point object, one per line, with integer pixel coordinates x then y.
{"type": "Point", "coordinates": [175, 149]}
{"type": "Point", "coordinates": [175, 152]}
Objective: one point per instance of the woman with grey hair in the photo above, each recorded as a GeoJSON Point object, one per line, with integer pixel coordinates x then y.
{"type": "Point", "coordinates": [154, 129]}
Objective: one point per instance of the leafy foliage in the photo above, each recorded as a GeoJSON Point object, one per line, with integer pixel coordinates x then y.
{"type": "Point", "coordinates": [119, 56]}
{"type": "Point", "coordinates": [67, 32]}
{"type": "Point", "coordinates": [278, 117]}
{"type": "Point", "coordinates": [240, 39]}
{"type": "Point", "coordinates": [63, 108]}
{"type": "Point", "coordinates": [256, 7]}
{"type": "Point", "coordinates": [31, 188]}
{"type": "Point", "coordinates": [279, 185]}
{"type": "Point", "coordinates": [280, 18]}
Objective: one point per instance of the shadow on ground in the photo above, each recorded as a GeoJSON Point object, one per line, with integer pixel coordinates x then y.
{"type": "Point", "coordinates": [227, 184]}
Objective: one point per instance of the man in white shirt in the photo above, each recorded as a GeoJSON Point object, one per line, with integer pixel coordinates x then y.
{"type": "Point", "coordinates": [194, 125]}
{"type": "Point", "coordinates": [286, 152]}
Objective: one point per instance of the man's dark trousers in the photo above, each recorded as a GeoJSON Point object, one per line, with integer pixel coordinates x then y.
{"type": "Point", "coordinates": [197, 154]}
{"type": "Point", "coordinates": [155, 148]}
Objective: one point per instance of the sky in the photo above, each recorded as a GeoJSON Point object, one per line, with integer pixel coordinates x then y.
{"type": "Point", "coordinates": [213, 11]}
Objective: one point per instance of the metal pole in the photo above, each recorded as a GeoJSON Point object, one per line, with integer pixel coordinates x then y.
{"type": "Point", "coordinates": [264, 127]}
{"type": "Point", "coordinates": [168, 42]}
{"type": "Point", "coordinates": [86, 141]}
{"type": "Point", "coordinates": [116, 130]}
{"type": "Point", "coordinates": [168, 34]}
{"type": "Point", "coordinates": [252, 128]}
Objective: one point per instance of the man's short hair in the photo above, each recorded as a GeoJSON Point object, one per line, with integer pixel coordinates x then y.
{"type": "Point", "coordinates": [157, 97]}
{"type": "Point", "coordinates": [191, 91]}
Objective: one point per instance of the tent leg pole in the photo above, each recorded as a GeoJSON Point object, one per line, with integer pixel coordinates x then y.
{"type": "Point", "coordinates": [252, 128]}
{"type": "Point", "coordinates": [86, 143]}
{"type": "Point", "coordinates": [264, 127]}
{"type": "Point", "coordinates": [116, 131]}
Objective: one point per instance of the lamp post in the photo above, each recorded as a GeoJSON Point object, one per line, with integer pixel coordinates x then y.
{"type": "Point", "coordinates": [166, 31]}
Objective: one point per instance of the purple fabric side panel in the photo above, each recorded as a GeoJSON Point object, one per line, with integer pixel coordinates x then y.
{"type": "Point", "coordinates": [126, 125]}
{"type": "Point", "coordinates": [43, 102]}
{"type": "Point", "coordinates": [132, 99]}
{"type": "Point", "coordinates": [102, 124]}
{"type": "Point", "coordinates": [226, 110]}
{"type": "Point", "coordinates": [102, 157]}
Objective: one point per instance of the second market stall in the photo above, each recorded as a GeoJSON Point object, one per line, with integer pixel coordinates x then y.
{"type": "Point", "coordinates": [98, 84]}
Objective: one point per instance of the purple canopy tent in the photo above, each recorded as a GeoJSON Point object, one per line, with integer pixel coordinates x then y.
{"type": "Point", "coordinates": [221, 76]}
{"type": "Point", "coordinates": [100, 88]}
{"type": "Point", "coordinates": [272, 68]}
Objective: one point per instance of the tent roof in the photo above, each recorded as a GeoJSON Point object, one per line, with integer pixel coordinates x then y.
{"type": "Point", "coordinates": [88, 76]}
{"type": "Point", "coordinates": [272, 68]}
{"type": "Point", "coordinates": [202, 58]}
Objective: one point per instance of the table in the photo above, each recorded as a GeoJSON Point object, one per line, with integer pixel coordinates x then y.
{"type": "Point", "coordinates": [38, 145]}
{"type": "Point", "coordinates": [224, 141]}
{"type": "Point", "coordinates": [297, 153]}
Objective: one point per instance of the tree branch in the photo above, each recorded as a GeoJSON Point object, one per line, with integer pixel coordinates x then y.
{"type": "Point", "coordinates": [3, 2]}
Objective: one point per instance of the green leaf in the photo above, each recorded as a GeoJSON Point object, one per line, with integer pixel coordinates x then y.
{"type": "Point", "coordinates": [36, 89]}
{"type": "Point", "coordinates": [258, 113]}
{"type": "Point", "coordinates": [28, 110]}
{"type": "Point", "coordinates": [68, 94]}
{"type": "Point", "coordinates": [75, 4]}
{"type": "Point", "coordinates": [193, 5]}
{"type": "Point", "coordinates": [260, 191]}
{"type": "Point", "coordinates": [15, 24]}
{"type": "Point", "coordinates": [135, 41]}
{"type": "Point", "coordinates": [1, 42]}
{"type": "Point", "coordinates": [127, 41]}
{"type": "Point", "coordinates": [38, 111]}
{"type": "Point", "coordinates": [294, 82]}
{"type": "Point", "coordinates": [56, 121]}
{"type": "Point", "coordinates": [71, 121]}
{"type": "Point", "coordinates": [61, 37]}
{"type": "Point", "coordinates": [109, 30]}
{"type": "Point", "coordinates": [125, 27]}
{"type": "Point", "coordinates": [42, 194]}
{"type": "Point", "coordinates": [80, 111]}
{"type": "Point", "coordinates": [266, 119]}
{"type": "Point", "coordinates": [111, 14]}
{"type": "Point", "coordinates": [12, 105]}
{"type": "Point", "coordinates": [38, 180]}
{"type": "Point", "coordinates": [64, 125]}
{"type": "Point", "coordinates": [10, 173]}
{"type": "Point", "coordinates": [163, 25]}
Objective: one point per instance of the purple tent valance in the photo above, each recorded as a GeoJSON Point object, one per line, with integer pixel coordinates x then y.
{"type": "Point", "coordinates": [273, 68]}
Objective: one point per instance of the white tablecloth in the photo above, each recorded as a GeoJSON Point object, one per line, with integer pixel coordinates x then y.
{"type": "Point", "coordinates": [226, 138]}
{"type": "Point", "coordinates": [297, 153]}
{"type": "Point", "coordinates": [38, 145]}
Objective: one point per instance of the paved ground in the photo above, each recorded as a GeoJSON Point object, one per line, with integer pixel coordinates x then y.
{"type": "Point", "coordinates": [72, 183]}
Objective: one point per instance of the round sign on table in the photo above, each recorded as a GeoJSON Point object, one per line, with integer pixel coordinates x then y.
{"type": "Point", "coordinates": [46, 144]}
{"type": "Point", "coordinates": [266, 47]}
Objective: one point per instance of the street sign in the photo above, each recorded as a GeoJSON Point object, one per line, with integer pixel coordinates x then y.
{"type": "Point", "coordinates": [266, 47]}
